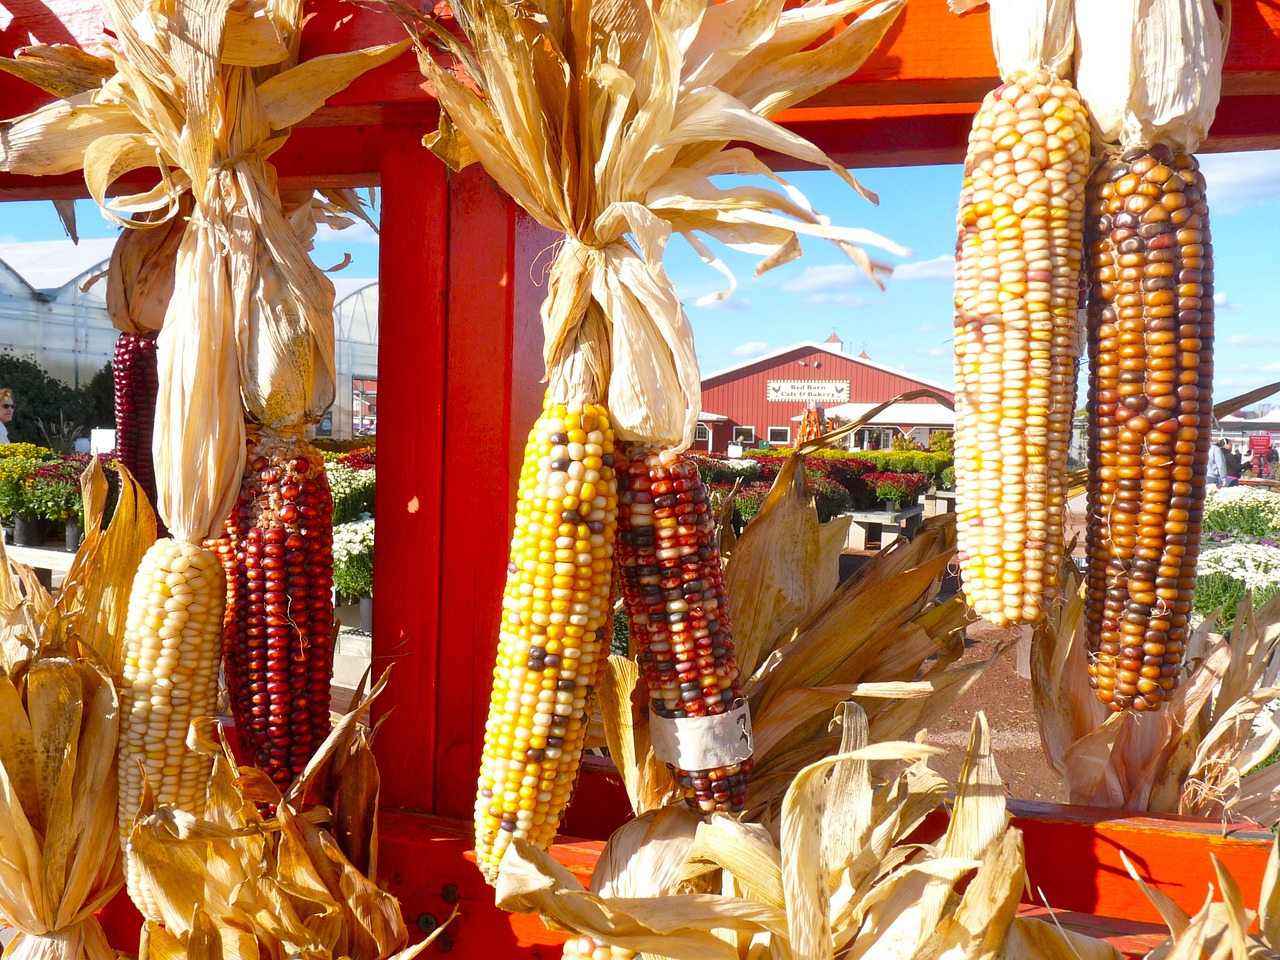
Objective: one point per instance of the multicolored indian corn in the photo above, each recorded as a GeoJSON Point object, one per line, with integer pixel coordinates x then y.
{"type": "Point", "coordinates": [1151, 382]}
{"type": "Point", "coordinates": [1018, 261]}
{"type": "Point", "coordinates": [673, 589]}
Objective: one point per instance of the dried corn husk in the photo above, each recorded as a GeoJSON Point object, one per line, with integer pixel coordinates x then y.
{"type": "Point", "coordinates": [59, 719]}
{"type": "Point", "coordinates": [245, 291]}
{"type": "Point", "coordinates": [606, 123]}
{"type": "Point", "coordinates": [141, 276]}
{"type": "Point", "coordinates": [236, 884]}
{"type": "Point", "coordinates": [1199, 758]}
{"type": "Point", "coordinates": [841, 877]}
{"type": "Point", "coordinates": [1150, 70]}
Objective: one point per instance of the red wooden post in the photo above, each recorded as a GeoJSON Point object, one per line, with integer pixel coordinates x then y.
{"type": "Point", "coordinates": [460, 357]}
{"type": "Point", "coordinates": [413, 279]}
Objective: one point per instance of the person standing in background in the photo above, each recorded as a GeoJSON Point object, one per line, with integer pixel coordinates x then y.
{"type": "Point", "coordinates": [1217, 472]}
{"type": "Point", "coordinates": [1234, 464]}
{"type": "Point", "coordinates": [6, 413]}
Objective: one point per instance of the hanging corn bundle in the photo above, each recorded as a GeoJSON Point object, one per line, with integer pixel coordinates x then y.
{"type": "Point", "coordinates": [209, 122]}
{"type": "Point", "coordinates": [606, 123]}
{"type": "Point", "coordinates": [1152, 76]}
{"type": "Point", "coordinates": [1017, 266]}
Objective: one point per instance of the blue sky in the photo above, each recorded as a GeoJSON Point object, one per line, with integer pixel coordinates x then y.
{"type": "Point", "coordinates": [909, 324]}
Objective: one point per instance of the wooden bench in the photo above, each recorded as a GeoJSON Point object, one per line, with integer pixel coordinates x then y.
{"type": "Point", "coordinates": [884, 525]}
{"type": "Point", "coordinates": [44, 561]}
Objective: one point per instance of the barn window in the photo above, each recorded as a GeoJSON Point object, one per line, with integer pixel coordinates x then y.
{"type": "Point", "coordinates": [701, 434]}
{"type": "Point", "coordinates": [744, 434]}
{"type": "Point", "coordinates": [780, 435]}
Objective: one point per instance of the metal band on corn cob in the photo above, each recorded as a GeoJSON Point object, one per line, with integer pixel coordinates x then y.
{"type": "Point", "coordinates": [673, 587]}
{"type": "Point", "coordinates": [170, 677]}
{"type": "Point", "coordinates": [278, 640]}
{"type": "Point", "coordinates": [555, 611]}
{"type": "Point", "coordinates": [1018, 261]}
{"type": "Point", "coordinates": [134, 378]}
{"type": "Point", "coordinates": [1150, 409]}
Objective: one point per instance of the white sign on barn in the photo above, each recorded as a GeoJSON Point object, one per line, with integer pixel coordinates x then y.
{"type": "Point", "coordinates": [807, 391]}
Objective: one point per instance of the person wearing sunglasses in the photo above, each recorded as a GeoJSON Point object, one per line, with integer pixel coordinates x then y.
{"type": "Point", "coordinates": [6, 413]}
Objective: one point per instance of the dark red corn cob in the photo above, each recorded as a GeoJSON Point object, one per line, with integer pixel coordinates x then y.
{"type": "Point", "coordinates": [278, 638]}
{"type": "Point", "coordinates": [673, 588]}
{"type": "Point", "coordinates": [135, 381]}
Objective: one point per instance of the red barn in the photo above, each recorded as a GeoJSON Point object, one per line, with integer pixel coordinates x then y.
{"type": "Point", "coordinates": [763, 399]}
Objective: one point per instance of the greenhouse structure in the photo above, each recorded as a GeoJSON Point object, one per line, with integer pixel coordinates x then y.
{"type": "Point", "coordinates": [53, 311]}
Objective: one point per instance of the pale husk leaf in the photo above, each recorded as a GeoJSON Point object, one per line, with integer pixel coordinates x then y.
{"type": "Point", "coordinates": [1150, 70]}
{"type": "Point", "coordinates": [1033, 939]}
{"type": "Point", "coordinates": [1028, 36]}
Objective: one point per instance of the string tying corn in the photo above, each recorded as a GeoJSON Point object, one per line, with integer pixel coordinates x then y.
{"type": "Point", "coordinates": [1018, 261]}
{"type": "Point", "coordinates": [553, 639]}
{"type": "Point", "coordinates": [673, 587]}
{"type": "Point", "coordinates": [1150, 323]}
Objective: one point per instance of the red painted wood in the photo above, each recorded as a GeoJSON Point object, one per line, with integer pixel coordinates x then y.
{"type": "Point", "coordinates": [412, 373]}
{"type": "Point", "coordinates": [494, 343]}
{"type": "Point", "coordinates": [1073, 856]}
{"type": "Point", "coordinates": [911, 103]}
{"type": "Point", "coordinates": [740, 394]}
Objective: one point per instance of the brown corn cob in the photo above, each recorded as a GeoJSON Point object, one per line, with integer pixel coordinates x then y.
{"type": "Point", "coordinates": [673, 588]}
{"type": "Point", "coordinates": [1150, 320]}
{"type": "Point", "coordinates": [135, 381]}
{"type": "Point", "coordinates": [278, 632]}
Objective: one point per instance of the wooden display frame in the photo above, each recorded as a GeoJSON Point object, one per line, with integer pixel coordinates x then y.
{"type": "Point", "coordinates": [459, 370]}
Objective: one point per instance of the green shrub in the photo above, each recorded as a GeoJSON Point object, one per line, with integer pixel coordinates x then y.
{"type": "Point", "coordinates": [717, 470]}
{"type": "Point", "coordinates": [353, 558]}
{"type": "Point", "coordinates": [1224, 574]}
{"type": "Point", "coordinates": [947, 479]}
{"type": "Point", "coordinates": [944, 443]}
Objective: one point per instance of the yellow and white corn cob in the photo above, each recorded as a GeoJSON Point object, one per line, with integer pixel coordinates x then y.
{"type": "Point", "coordinates": [1018, 257]}
{"type": "Point", "coordinates": [173, 639]}
{"type": "Point", "coordinates": [556, 612]}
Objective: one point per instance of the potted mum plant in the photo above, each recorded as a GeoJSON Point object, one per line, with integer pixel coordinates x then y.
{"type": "Point", "coordinates": [353, 565]}
{"type": "Point", "coordinates": [18, 461]}
{"type": "Point", "coordinates": [52, 492]}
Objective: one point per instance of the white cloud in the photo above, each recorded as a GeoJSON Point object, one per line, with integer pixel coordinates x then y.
{"type": "Point", "coordinates": [1238, 181]}
{"type": "Point", "coordinates": [729, 303]}
{"type": "Point", "coordinates": [925, 328]}
{"type": "Point", "coordinates": [358, 232]}
{"type": "Point", "coordinates": [1259, 343]}
{"type": "Point", "coordinates": [1223, 302]}
{"type": "Point", "coordinates": [931, 352]}
{"type": "Point", "coordinates": [836, 278]}
{"type": "Point", "coordinates": [752, 349]}
{"type": "Point", "coordinates": [939, 268]}
{"type": "Point", "coordinates": [843, 299]}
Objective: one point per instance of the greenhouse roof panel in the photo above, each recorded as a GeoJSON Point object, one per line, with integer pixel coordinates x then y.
{"type": "Point", "coordinates": [49, 265]}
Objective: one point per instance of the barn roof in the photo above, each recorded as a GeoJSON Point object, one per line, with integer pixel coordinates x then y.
{"type": "Point", "coordinates": [807, 345]}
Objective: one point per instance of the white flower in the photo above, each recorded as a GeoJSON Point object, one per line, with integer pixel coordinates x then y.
{"type": "Point", "coordinates": [350, 540]}
{"type": "Point", "coordinates": [1255, 565]}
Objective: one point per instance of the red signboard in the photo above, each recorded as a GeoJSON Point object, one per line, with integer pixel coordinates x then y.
{"type": "Point", "coordinates": [1259, 443]}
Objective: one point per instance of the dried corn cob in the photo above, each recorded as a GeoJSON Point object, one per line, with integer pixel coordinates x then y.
{"type": "Point", "coordinates": [588, 948]}
{"type": "Point", "coordinates": [1150, 345]}
{"type": "Point", "coordinates": [170, 677]}
{"type": "Point", "coordinates": [135, 381]}
{"type": "Point", "coordinates": [278, 639]}
{"type": "Point", "coordinates": [1018, 261]}
{"type": "Point", "coordinates": [555, 611]}
{"type": "Point", "coordinates": [673, 587]}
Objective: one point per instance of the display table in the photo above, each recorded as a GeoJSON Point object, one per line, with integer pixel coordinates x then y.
{"type": "Point", "coordinates": [885, 525]}
{"type": "Point", "coordinates": [944, 501]}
